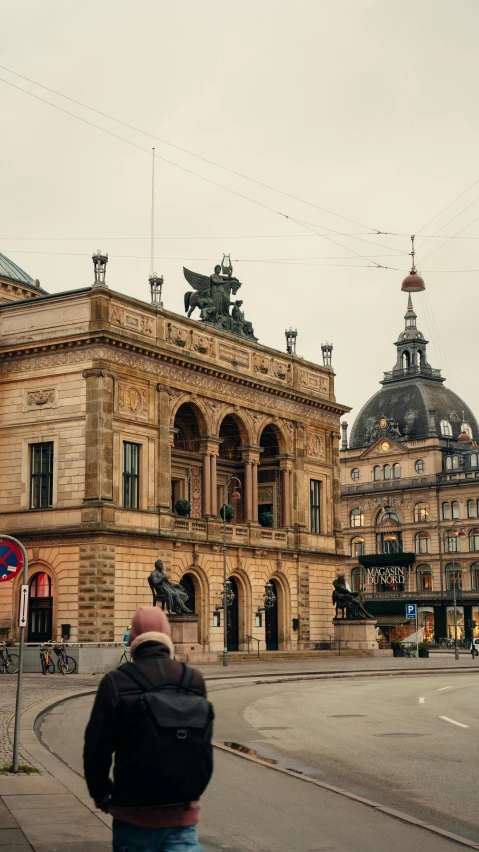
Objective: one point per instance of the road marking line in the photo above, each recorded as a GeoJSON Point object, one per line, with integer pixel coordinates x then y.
{"type": "Point", "coordinates": [422, 700]}
{"type": "Point", "coordinates": [443, 688]}
{"type": "Point", "coordinates": [453, 722]}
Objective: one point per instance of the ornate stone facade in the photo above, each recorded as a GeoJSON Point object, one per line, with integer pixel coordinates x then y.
{"type": "Point", "coordinates": [132, 408]}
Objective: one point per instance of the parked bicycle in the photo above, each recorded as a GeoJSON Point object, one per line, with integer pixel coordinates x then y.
{"type": "Point", "coordinates": [46, 661]}
{"type": "Point", "coordinates": [9, 663]}
{"type": "Point", "coordinates": [66, 665]}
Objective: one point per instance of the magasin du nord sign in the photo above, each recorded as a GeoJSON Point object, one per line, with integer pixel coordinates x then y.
{"type": "Point", "coordinates": [387, 574]}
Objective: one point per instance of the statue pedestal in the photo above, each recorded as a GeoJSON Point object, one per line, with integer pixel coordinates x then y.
{"type": "Point", "coordinates": [356, 635]}
{"type": "Point", "coordinates": [184, 633]}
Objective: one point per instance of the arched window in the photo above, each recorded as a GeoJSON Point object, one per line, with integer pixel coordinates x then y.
{"type": "Point", "coordinates": [446, 512]}
{"type": "Point", "coordinates": [455, 462]}
{"type": "Point", "coordinates": [388, 515]}
{"type": "Point", "coordinates": [419, 466]}
{"type": "Point", "coordinates": [448, 463]}
{"type": "Point", "coordinates": [474, 540]}
{"type": "Point", "coordinates": [356, 518]}
{"type": "Point", "coordinates": [387, 471]}
{"type": "Point", "coordinates": [358, 580]}
{"type": "Point", "coordinates": [389, 537]}
{"type": "Point", "coordinates": [424, 577]}
{"type": "Point", "coordinates": [40, 610]}
{"type": "Point", "coordinates": [471, 508]}
{"type": "Point", "coordinates": [423, 542]}
{"type": "Point", "coordinates": [475, 575]}
{"type": "Point", "coordinates": [446, 428]}
{"type": "Point", "coordinates": [406, 360]}
{"type": "Point", "coordinates": [473, 458]}
{"type": "Point", "coordinates": [357, 546]}
{"type": "Point", "coordinates": [377, 473]}
{"type": "Point", "coordinates": [355, 474]}
{"type": "Point", "coordinates": [188, 584]}
{"type": "Point", "coordinates": [397, 471]}
{"type": "Point", "coordinates": [453, 576]}
{"type": "Point", "coordinates": [421, 512]}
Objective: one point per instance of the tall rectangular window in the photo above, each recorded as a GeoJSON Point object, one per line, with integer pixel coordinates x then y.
{"type": "Point", "coordinates": [131, 475]}
{"type": "Point", "coordinates": [315, 504]}
{"type": "Point", "coordinates": [41, 475]}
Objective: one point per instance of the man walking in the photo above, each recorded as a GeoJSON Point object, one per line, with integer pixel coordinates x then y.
{"type": "Point", "coordinates": [154, 716]}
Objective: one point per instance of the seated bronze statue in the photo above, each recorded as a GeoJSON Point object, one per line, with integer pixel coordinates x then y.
{"type": "Point", "coordinates": [350, 602]}
{"type": "Point", "coordinates": [171, 595]}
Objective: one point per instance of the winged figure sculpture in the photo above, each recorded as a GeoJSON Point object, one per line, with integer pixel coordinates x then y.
{"type": "Point", "coordinates": [212, 295]}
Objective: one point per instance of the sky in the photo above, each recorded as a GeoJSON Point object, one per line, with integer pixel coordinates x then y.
{"type": "Point", "coordinates": [359, 115]}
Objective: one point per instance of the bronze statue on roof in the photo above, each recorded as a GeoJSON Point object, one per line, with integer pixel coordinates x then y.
{"type": "Point", "coordinates": [212, 295]}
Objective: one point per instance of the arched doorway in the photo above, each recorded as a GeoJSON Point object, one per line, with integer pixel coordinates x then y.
{"type": "Point", "coordinates": [271, 622]}
{"type": "Point", "coordinates": [188, 584]}
{"type": "Point", "coordinates": [40, 610]}
{"type": "Point", "coordinates": [233, 618]}
{"type": "Point", "coordinates": [269, 476]}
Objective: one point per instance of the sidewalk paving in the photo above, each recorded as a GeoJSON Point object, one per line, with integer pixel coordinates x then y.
{"type": "Point", "coordinates": [52, 811]}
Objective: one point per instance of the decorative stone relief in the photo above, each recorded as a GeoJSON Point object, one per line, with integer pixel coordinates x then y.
{"type": "Point", "coordinates": [195, 482]}
{"type": "Point", "coordinates": [236, 356]}
{"type": "Point", "coordinates": [320, 384]}
{"type": "Point", "coordinates": [43, 398]}
{"type": "Point", "coordinates": [270, 366]}
{"type": "Point", "coordinates": [133, 400]}
{"type": "Point", "coordinates": [203, 344]}
{"type": "Point", "coordinates": [315, 446]}
{"type": "Point", "coordinates": [141, 323]}
{"type": "Point", "coordinates": [178, 335]}
{"type": "Point", "coordinates": [170, 373]}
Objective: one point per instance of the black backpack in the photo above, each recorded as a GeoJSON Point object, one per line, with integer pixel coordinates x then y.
{"type": "Point", "coordinates": [166, 755]}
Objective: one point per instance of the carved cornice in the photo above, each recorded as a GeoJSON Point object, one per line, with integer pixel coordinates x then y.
{"type": "Point", "coordinates": [172, 369]}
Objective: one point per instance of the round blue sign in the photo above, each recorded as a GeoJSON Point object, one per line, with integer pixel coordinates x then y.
{"type": "Point", "coordinates": [11, 560]}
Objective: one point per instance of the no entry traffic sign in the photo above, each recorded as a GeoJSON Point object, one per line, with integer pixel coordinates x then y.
{"type": "Point", "coordinates": [11, 559]}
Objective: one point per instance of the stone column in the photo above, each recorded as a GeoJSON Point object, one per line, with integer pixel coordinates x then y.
{"type": "Point", "coordinates": [99, 436]}
{"type": "Point", "coordinates": [206, 484]}
{"type": "Point", "coordinates": [248, 491]}
{"type": "Point", "coordinates": [255, 491]}
{"type": "Point", "coordinates": [214, 492]}
{"type": "Point", "coordinates": [163, 460]}
{"type": "Point", "coordinates": [286, 519]}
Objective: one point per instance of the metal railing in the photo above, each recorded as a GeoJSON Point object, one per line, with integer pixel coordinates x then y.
{"type": "Point", "coordinates": [250, 639]}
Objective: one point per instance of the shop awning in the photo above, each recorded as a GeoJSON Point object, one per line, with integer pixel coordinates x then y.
{"type": "Point", "coordinates": [385, 620]}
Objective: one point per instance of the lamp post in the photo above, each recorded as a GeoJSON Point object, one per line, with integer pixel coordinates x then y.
{"type": "Point", "coordinates": [226, 597]}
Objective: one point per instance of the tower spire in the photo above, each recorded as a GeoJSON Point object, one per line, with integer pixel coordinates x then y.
{"type": "Point", "coordinates": [413, 283]}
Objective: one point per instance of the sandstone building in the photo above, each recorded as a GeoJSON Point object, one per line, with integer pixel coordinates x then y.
{"type": "Point", "coordinates": [112, 410]}
{"type": "Point", "coordinates": [410, 498]}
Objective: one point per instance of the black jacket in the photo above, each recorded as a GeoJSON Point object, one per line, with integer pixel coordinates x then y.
{"type": "Point", "coordinates": [107, 731]}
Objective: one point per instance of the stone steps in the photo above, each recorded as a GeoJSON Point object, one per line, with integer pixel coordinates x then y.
{"type": "Point", "coordinates": [281, 656]}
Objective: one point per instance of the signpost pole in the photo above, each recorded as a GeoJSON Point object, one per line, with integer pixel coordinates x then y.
{"type": "Point", "coordinates": [18, 701]}
{"type": "Point", "coordinates": [417, 640]}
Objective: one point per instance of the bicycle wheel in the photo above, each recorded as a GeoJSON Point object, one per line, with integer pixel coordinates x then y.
{"type": "Point", "coordinates": [68, 667]}
{"type": "Point", "coordinates": [51, 667]}
{"type": "Point", "coordinates": [13, 663]}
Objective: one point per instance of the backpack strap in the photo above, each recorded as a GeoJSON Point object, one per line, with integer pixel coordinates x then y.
{"type": "Point", "coordinates": [186, 677]}
{"type": "Point", "coordinates": [139, 677]}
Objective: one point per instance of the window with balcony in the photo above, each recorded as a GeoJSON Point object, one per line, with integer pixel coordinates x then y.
{"type": "Point", "coordinates": [453, 577]}
{"type": "Point", "coordinates": [356, 518]}
{"type": "Point", "coordinates": [41, 475]}
{"type": "Point", "coordinates": [357, 546]}
{"type": "Point", "coordinates": [446, 512]}
{"type": "Point", "coordinates": [455, 509]}
{"type": "Point", "coordinates": [397, 471]}
{"type": "Point", "coordinates": [424, 578]}
{"type": "Point", "coordinates": [475, 575]}
{"type": "Point", "coordinates": [471, 508]}
{"type": "Point", "coordinates": [421, 512]}
{"type": "Point", "coordinates": [355, 475]}
{"type": "Point", "coordinates": [474, 540]}
{"type": "Point", "coordinates": [131, 475]}
{"type": "Point", "coordinates": [377, 473]}
{"type": "Point", "coordinates": [423, 542]}
{"type": "Point", "coordinates": [419, 466]}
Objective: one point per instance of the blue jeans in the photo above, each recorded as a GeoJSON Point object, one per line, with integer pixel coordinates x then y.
{"type": "Point", "coordinates": [131, 838]}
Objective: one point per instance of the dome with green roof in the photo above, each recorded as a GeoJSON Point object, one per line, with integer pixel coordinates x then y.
{"type": "Point", "coordinates": [15, 283]}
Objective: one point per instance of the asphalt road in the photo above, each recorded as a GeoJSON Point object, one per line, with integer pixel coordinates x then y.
{"type": "Point", "coordinates": [375, 737]}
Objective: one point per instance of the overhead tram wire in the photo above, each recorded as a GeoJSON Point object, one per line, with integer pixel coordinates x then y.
{"type": "Point", "coordinates": [188, 171]}
{"type": "Point", "coordinates": [186, 151]}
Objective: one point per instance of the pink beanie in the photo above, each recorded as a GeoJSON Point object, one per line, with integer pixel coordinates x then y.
{"type": "Point", "coordinates": [150, 623]}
